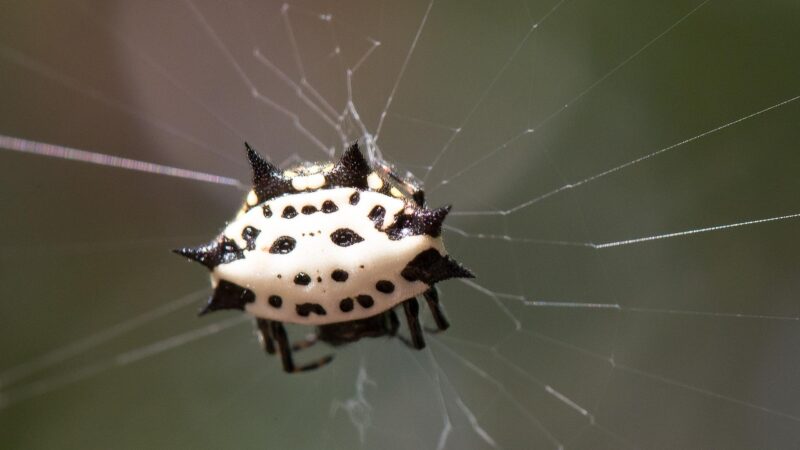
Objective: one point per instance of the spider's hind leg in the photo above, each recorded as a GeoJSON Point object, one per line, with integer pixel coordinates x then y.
{"type": "Point", "coordinates": [278, 332]}
{"type": "Point", "coordinates": [411, 308]}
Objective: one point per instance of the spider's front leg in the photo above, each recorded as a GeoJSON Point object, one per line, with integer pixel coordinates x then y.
{"type": "Point", "coordinates": [278, 332]}
{"type": "Point", "coordinates": [309, 340]}
{"type": "Point", "coordinates": [268, 344]}
{"type": "Point", "coordinates": [264, 337]}
{"type": "Point", "coordinates": [411, 308]}
{"type": "Point", "coordinates": [394, 322]}
{"type": "Point", "coordinates": [432, 297]}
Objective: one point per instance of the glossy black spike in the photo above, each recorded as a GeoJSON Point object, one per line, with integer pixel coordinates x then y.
{"type": "Point", "coordinates": [220, 251]}
{"type": "Point", "coordinates": [268, 181]}
{"type": "Point", "coordinates": [228, 295]}
{"type": "Point", "coordinates": [351, 170]}
{"type": "Point", "coordinates": [421, 221]}
{"type": "Point", "coordinates": [431, 267]}
{"type": "Point", "coordinates": [261, 167]}
{"type": "Point", "coordinates": [432, 220]}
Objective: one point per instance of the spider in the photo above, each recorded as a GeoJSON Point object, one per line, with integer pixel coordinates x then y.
{"type": "Point", "coordinates": [333, 245]}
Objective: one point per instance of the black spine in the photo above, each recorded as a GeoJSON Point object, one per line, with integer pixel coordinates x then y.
{"type": "Point", "coordinates": [268, 181]}
{"type": "Point", "coordinates": [421, 221]}
{"type": "Point", "coordinates": [351, 170]}
{"type": "Point", "coordinates": [431, 267]}
{"type": "Point", "coordinates": [228, 295]}
{"type": "Point", "coordinates": [220, 251]}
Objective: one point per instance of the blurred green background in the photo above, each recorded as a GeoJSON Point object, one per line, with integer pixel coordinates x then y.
{"type": "Point", "coordinates": [699, 349]}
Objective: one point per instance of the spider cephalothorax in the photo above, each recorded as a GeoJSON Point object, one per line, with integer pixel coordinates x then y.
{"type": "Point", "coordinates": [334, 245]}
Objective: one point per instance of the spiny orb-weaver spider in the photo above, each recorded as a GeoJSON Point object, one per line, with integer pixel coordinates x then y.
{"type": "Point", "coordinates": [334, 245]}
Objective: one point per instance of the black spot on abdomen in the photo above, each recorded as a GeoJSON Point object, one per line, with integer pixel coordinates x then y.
{"type": "Point", "coordinates": [355, 198]}
{"type": "Point", "coordinates": [302, 279]}
{"type": "Point", "coordinates": [385, 286]}
{"type": "Point", "coordinates": [308, 209]}
{"type": "Point", "coordinates": [345, 237]}
{"type": "Point", "coordinates": [377, 214]}
{"type": "Point", "coordinates": [289, 212]}
{"type": "Point", "coordinates": [346, 305]}
{"type": "Point", "coordinates": [365, 301]}
{"type": "Point", "coordinates": [283, 245]}
{"type": "Point", "coordinates": [267, 211]}
{"type": "Point", "coordinates": [275, 301]}
{"type": "Point", "coordinates": [249, 234]}
{"type": "Point", "coordinates": [305, 309]}
{"type": "Point", "coordinates": [329, 207]}
{"type": "Point", "coordinates": [340, 275]}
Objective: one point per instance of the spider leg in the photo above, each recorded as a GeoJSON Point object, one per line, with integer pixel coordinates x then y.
{"type": "Point", "coordinates": [394, 322]}
{"type": "Point", "coordinates": [278, 333]}
{"type": "Point", "coordinates": [430, 330]}
{"type": "Point", "coordinates": [432, 297]}
{"type": "Point", "coordinates": [267, 343]}
{"type": "Point", "coordinates": [411, 307]}
{"type": "Point", "coordinates": [310, 340]}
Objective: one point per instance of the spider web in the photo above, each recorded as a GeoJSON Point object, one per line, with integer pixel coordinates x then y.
{"type": "Point", "coordinates": [624, 186]}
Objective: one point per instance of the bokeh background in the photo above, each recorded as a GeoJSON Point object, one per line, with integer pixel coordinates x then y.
{"type": "Point", "coordinates": [681, 342]}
